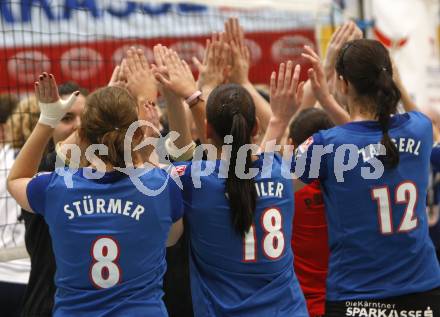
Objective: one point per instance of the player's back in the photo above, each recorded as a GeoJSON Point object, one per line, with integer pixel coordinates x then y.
{"type": "Point", "coordinates": [378, 227]}
{"type": "Point", "coordinates": [109, 242]}
{"type": "Point", "coordinates": [242, 276]}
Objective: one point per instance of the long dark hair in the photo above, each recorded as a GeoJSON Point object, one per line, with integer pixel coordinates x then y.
{"type": "Point", "coordinates": [230, 110]}
{"type": "Point", "coordinates": [366, 64]}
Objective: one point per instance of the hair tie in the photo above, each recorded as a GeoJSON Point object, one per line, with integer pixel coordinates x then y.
{"type": "Point", "coordinates": [384, 69]}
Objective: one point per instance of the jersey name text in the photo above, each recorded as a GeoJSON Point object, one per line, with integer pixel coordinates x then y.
{"type": "Point", "coordinates": [89, 205]}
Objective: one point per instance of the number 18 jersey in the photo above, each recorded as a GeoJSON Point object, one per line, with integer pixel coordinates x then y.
{"type": "Point", "coordinates": [233, 275]}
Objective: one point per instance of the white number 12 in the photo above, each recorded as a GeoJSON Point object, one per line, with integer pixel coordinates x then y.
{"type": "Point", "coordinates": [406, 193]}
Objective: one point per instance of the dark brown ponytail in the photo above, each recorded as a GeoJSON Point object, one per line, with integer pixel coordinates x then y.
{"type": "Point", "coordinates": [387, 97]}
{"type": "Point", "coordinates": [231, 111]}
{"type": "Point", "coordinates": [366, 65]}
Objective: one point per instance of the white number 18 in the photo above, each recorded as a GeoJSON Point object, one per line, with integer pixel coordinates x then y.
{"type": "Point", "coordinates": [273, 240]}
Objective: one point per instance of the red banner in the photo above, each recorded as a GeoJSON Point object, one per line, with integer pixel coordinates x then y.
{"type": "Point", "coordinates": [91, 63]}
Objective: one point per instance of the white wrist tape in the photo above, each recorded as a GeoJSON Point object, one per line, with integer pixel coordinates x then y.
{"type": "Point", "coordinates": [52, 113]}
{"type": "Point", "coordinates": [180, 155]}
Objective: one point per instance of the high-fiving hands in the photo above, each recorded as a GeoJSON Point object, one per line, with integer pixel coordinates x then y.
{"type": "Point", "coordinates": [140, 80]}
{"type": "Point", "coordinates": [213, 70]}
{"type": "Point", "coordinates": [240, 55]}
{"type": "Point", "coordinates": [347, 32]}
{"type": "Point", "coordinates": [173, 73]}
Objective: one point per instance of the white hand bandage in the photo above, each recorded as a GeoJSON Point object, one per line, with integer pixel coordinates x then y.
{"type": "Point", "coordinates": [52, 113]}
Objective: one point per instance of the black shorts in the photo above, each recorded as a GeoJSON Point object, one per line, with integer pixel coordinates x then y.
{"type": "Point", "coordinates": [426, 304]}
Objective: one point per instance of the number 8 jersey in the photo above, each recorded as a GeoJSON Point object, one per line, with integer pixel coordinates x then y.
{"type": "Point", "coordinates": [233, 275]}
{"type": "Point", "coordinates": [108, 240]}
{"type": "Point", "coordinates": [378, 231]}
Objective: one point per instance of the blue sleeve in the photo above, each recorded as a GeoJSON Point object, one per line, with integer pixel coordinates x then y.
{"type": "Point", "coordinates": [36, 192]}
{"type": "Point", "coordinates": [309, 162]}
{"type": "Point", "coordinates": [176, 201]}
{"type": "Point", "coordinates": [423, 125]}
{"type": "Point", "coordinates": [420, 116]}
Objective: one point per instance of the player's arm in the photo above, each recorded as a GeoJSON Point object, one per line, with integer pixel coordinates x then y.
{"type": "Point", "coordinates": [176, 207]}
{"type": "Point", "coordinates": [240, 66]}
{"type": "Point", "coordinates": [347, 32]}
{"type": "Point", "coordinates": [176, 83]}
{"type": "Point", "coordinates": [176, 232]}
{"type": "Point", "coordinates": [212, 73]}
{"type": "Point", "coordinates": [321, 90]}
{"type": "Point", "coordinates": [285, 98]}
{"type": "Point", "coordinates": [26, 164]}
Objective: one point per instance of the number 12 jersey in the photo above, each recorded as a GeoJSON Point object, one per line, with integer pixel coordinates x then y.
{"type": "Point", "coordinates": [378, 231]}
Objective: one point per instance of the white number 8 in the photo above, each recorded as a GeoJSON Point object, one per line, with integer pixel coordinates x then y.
{"type": "Point", "coordinates": [273, 241]}
{"type": "Point", "coordinates": [105, 272]}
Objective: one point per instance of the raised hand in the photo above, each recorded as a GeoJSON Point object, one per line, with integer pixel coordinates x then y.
{"type": "Point", "coordinates": [347, 32]}
{"type": "Point", "coordinates": [159, 55]}
{"type": "Point", "coordinates": [240, 57]}
{"type": "Point", "coordinates": [52, 107]}
{"type": "Point", "coordinates": [176, 83]}
{"type": "Point", "coordinates": [46, 89]}
{"type": "Point", "coordinates": [317, 76]}
{"type": "Point", "coordinates": [140, 80]}
{"type": "Point", "coordinates": [174, 74]}
{"type": "Point", "coordinates": [233, 31]}
{"type": "Point", "coordinates": [215, 63]}
{"type": "Point", "coordinates": [241, 62]}
{"type": "Point", "coordinates": [320, 87]}
{"type": "Point", "coordinates": [119, 75]}
{"type": "Point", "coordinates": [285, 92]}
{"type": "Point", "coordinates": [285, 97]}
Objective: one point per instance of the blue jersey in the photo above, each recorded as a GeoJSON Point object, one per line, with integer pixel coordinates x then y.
{"type": "Point", "coordinates": [378, 231]}
{"type": "Point", "coordinates": [241, 276]}
{"type": "Point", "coordinates": [109, 241]}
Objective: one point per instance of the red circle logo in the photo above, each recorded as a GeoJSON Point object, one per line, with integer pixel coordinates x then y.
{"type": "Point", "coordinates": [290, 47]}
{"type": "Point", "coordinates": [119, 54]}
{"type": "Point", "coordinates": [26, 66]}
{"type": "Point", "coordinates": [254, 50]}
{"type": "Point", "coordinates": [81, 63]}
